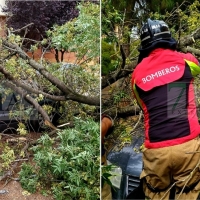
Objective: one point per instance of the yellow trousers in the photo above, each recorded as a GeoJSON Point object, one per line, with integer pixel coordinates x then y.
{"type": "Point", "coordinates": [177, 165]}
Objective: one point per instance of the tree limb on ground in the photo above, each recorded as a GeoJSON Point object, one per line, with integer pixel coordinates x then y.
{"type": "Point", "coordinates": [123, 112]}
{"type": "Point", "coordinates": [10, 172]}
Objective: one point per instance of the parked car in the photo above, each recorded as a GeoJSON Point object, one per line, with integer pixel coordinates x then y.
{"type": "Point", "coordinates": [14, 109]}
{"type": "Point", "coordinates": [128, 162]}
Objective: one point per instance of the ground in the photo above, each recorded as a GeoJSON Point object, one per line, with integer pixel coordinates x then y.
{"type": "Point", "coordinates": [10, 189]}
{"type": "Point", "coordinates": [14, 191]}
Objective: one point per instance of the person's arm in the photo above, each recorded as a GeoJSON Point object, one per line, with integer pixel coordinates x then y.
{"type": "Point", "coordinates": [195, 68]}
{"type": "Point", "coordinates": [106, 124]}
{"type": "Point", "coordinates": [192, 62]}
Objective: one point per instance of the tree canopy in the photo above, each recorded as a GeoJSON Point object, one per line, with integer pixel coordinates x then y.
{"type": "Point", "coordinates": [43, 15]}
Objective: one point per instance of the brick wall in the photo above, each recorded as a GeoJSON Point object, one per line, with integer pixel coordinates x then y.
{"type": "Point", "coordinates": [2, 25]}
{"type": "Point", "coordinates": [50, 56]}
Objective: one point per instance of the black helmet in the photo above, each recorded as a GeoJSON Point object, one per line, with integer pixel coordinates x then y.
{"type": "Point", "coordinates": [154, 30]}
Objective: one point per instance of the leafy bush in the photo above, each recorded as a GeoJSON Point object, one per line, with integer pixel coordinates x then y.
{"type": "Point", "coordinates": [109, 59]}
{"type": "Point", "coordinates": [28, 173]}
{"type": "Point", "coordinates": [69, 164]}
{"type": "Point", "coordinates": [6, 158]}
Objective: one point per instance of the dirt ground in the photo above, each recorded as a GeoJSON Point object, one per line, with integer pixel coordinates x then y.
{"type": "Point", "coordinates": [11, 189]}
{"type": "Point", "coordinates": [14, 191]}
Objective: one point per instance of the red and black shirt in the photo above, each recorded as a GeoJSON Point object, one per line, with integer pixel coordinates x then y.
{"type": "Point", "coordinates": [163, 86]}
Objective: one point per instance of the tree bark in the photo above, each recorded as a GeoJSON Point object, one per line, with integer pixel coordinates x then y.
{"type": "Point", "coordinates": [62, 55]}
{"type": "Point", "coordinates": [57, 56]}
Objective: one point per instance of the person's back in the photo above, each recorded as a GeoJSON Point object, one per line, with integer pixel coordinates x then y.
{"type": "Point", "coordinates": [162, 84]}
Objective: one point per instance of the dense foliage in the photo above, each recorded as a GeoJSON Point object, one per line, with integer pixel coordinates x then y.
{"type": "Point", "coordinates": [41, 14]}
{"type": "Point", "coordinates": [80, 35]}
{"type": "Point", "coordinates": [109, 59]}
{"type": "Point", "coordinates": [69, 168]}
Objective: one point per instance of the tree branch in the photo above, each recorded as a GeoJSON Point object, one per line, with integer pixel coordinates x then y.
{"type": "Point", "coordinates": [69, 94]}
{"type": "Point", "coordinates": [191, 50]}
{"type": "Point", "coordinates": [28, 88]}
{"type": "Point", "coordinates": [123, 112]}
{"type": "Point", "coordinates": [20, 29]}
{"type": "Point", "coordinates": [29, 99]}
{"type": "Point", "coordinates": [190, 39]}
{"type": "Point", "coordinates": [111, 78]}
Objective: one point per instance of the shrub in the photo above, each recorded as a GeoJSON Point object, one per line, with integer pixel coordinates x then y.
{"type": "Point", "coordinates": [69, 164]}
{"type": "Point", "coordinates": [109, 59]}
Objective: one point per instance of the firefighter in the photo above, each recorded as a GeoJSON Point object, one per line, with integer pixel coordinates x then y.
{"type": "Point", "coordinates": [162, 83]}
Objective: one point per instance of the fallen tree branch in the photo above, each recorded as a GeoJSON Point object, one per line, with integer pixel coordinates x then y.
{"type": "Point", "coordinates": [111, 78]}
{"type": "Point", "coordinates": [19, 160]}
{"type": "Point", "coordinates": [123, 112]}
{"type": "Point", "coordinates": [27, 97]}
{"type": "Point", "coordinates": [29, 88]}
{"type": "Point", "coordinates": [191, 50]}
{"type": "Point", "coordinates": [68, 92]}
{"type": "Point", "coordinates": [9, 173]}
{"type": "Point", "coordinates": [20, 29]}
{"type": "Point", "coordinates": [14, 166]}
{"type": "Point", "coordinates": [140, 117]}
{"type": "Point", "coordinates": [190, 39]}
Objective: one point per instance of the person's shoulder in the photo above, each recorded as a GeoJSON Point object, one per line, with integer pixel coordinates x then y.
{"type": "Point", "coordinates": [189, 57]}
{"type": "Point", "coordinates": [139, 66]}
